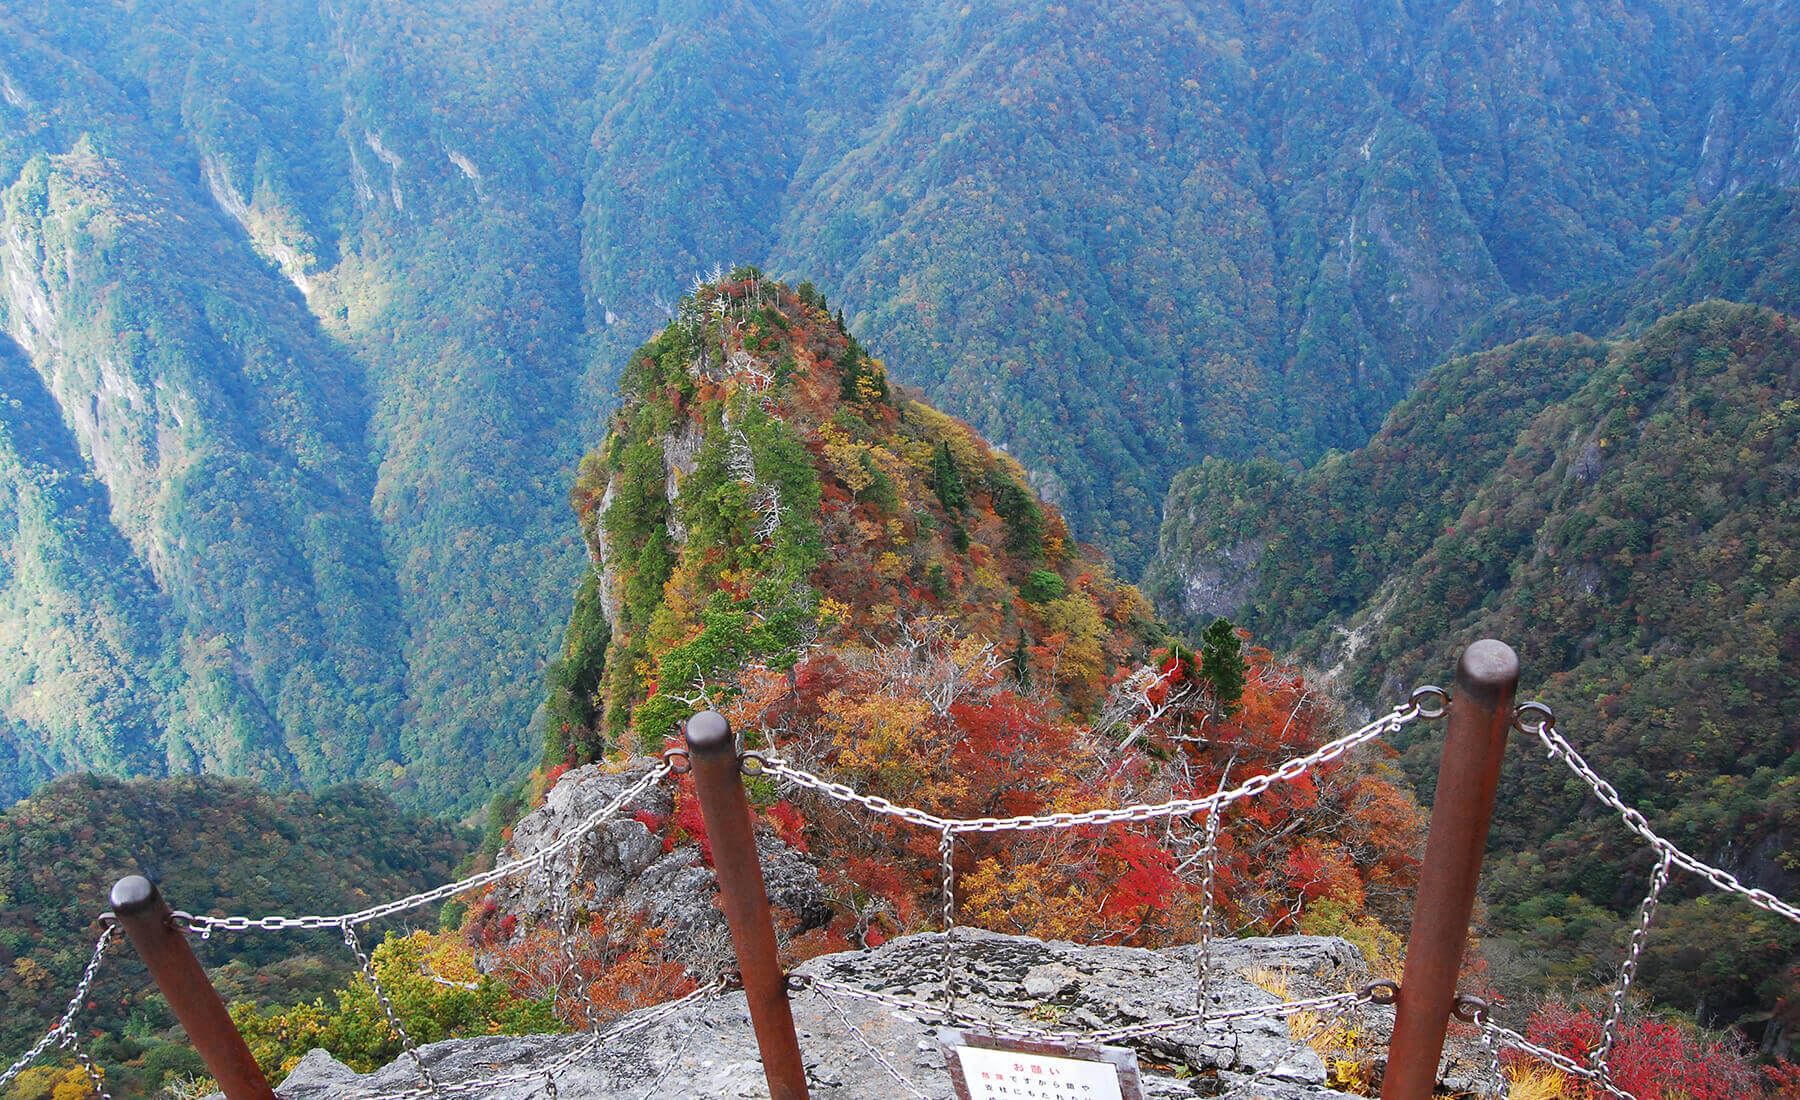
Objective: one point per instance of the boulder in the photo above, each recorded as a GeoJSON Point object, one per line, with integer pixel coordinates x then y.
{"type": "Point", "coordinates": [611, 856]}
{"type": "Point", "coordinates": [622, 870]}
{"type": "Point", "coordinates": [707, 1049]}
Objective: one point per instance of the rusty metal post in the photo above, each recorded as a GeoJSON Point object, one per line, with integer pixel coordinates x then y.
{"type": "Point", "coordinates": [1481, 713]}
{"type": "Point", "coordinates": [712, 753]}
{"type": "Point", "coordinates": [146, 918]}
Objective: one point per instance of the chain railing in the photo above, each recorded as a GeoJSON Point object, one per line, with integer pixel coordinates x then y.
{"type": "Point", "coordinates": [1425, 702]}
{"type": "Point", "coordinates": [1506, 1038]}
{"type": "Point", "coordinates": [944, 1008]}
{"type": "Point", "coordinates": [165, 926]}
{"type": "Point", "coordinates": [664, 767]}
{"type": "Point", "coordinates": [1559, 748]}
{"type": "Point", "coordinates": [585, 1048]}
{"type": "Point", "coordinates": [64, 1029]}
{"type": "Point", "coordinates": [1538, 720]}
{"type": "Point", "coordinates": [756, 763]}
{"type": "Point", "coordinates": [874, 1052]}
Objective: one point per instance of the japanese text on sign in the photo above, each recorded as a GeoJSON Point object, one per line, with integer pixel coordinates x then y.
{"type": "Point", "coordinates": [1003, 1075]}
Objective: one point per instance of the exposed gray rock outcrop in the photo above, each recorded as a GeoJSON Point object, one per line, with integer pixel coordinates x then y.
{"type": "Point", "coordinates": [1219, 581]}
{"type": "Point", "coordinates": [611, 857]}
{"type": "Point", "coordinates": [708, 1050]}
{"type": "Point", "coordinates": [622, 869]}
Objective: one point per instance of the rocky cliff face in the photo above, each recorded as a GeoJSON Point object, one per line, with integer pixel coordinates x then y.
{"type": "Point", "coordinates": [709, 1050]}
{"type": "Point", "coordinates": [625, 871]}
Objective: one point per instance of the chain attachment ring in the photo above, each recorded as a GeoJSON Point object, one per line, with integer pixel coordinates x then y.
{"type": "Point", "coordinates": [1471, 1009]}
{"type": "Point", "coordinates": [798, 983]}
{"type": "Point", "coordinates": [1382, 991]}
{"type": "Point", "coordinates": [670, 756]}
{"type": "Point", "coordinates": [1428, 692]}
{"type": "Point", "coordinates": [1546, 718]}
{"type": "Point", "coordinates": [752, 764]}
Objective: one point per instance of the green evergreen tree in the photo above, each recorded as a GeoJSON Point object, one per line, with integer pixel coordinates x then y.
{"type": "Point", "coordinates": [946, 480]}
{"type": "Point", "coordinates": [1222, 663]}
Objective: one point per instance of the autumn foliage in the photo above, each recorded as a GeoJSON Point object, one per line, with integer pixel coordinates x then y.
{"type": "Point", "coordinates": [591, 972]}
{"type": "Point", "coordinates": [1657, 1059]}
{"type": "Point", "coordinates": [936, 720]}
{"type": "Point", "coordinates": [864, 586]}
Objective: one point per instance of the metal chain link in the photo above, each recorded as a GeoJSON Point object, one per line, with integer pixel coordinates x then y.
{"type": "Point", "coordinates": [1390, 723]}
{"type": "Point", "coordinates": [1478, 1011]}
{"type": "Point", "coordinates": [946, 859]}
{"type": "Point", "coordinates": [562, 906]}
{"type": "Point", "coordinates": [559, 911]}
{"type": "Point", "coordinates": [451, 1088]}
{"type": "Point", "coordinates": [1609, 1032]}
{"type": "Point", "coordinates": [1559, 747]}
{"type": "Point", "coordinates": [387, 1006]}
{"type": "Point", "coordinates": [1328, 1003]}
{"type": "Point", "coordinates": [1494, 1082]}
{"type": "Point", "coordinates": [1569, 1066]}
{"type": "Point", "coordinates": [1294, 1048]}
{"type": "Point", "coordinates": [1209, 866]}
{"type": "Point", "coordinates": [926, 1010]}
{"type": "Point", "coordinates": [65, 1026]}
{"type": "Point", "coordinates": [664, 767]}
{"type": "Point", "coordinates": [669, 1008]}
{"type": "Point", "coordinates": [874, 1051]}
{"type": "Point", "coordinates": [839, 792]}
{"type": "Point", "coordinates": [94, 1076]}
{"type": "Point", "coordinates": [582, 1050]}
{"type": "Point", "coordinates": [667, 1066]}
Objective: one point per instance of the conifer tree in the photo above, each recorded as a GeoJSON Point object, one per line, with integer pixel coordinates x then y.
{"type": "Point", "coordinates": [946, 480]}
{"type": "Point", "coordinates": [1222, 663]}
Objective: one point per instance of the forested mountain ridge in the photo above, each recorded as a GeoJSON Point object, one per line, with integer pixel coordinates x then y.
{"type": "Point", "coordinates": [870, 592]}
{"type": "Point", "coordinates": [1620, 511]}
{"type": "Point", "coordinates": [1742, 249]}
{"type": "Point", "coordinates": [325, 297]}
{"type": "Point", "coordinates": [766, 493]}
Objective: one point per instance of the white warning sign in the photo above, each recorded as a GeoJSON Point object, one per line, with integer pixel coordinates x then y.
{"type": "Point", "coordinates": [984, 1067]}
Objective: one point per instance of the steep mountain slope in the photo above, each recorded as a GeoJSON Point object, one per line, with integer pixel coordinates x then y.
{"type": "Point", "coordinates": [870, 592]}
{"type": "Point", "coordinates": [388, 260]}
{"type": "Point", "coordinates": [84, 621]}
{"type": "Point", "coordinates": [1624, 514]}
{"type": "Point", "coordinates": [226, 444]}
{"type": "Point", "coordinates": [764, 490]}
{"type": "Point", "coordinates": [345, 498]}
